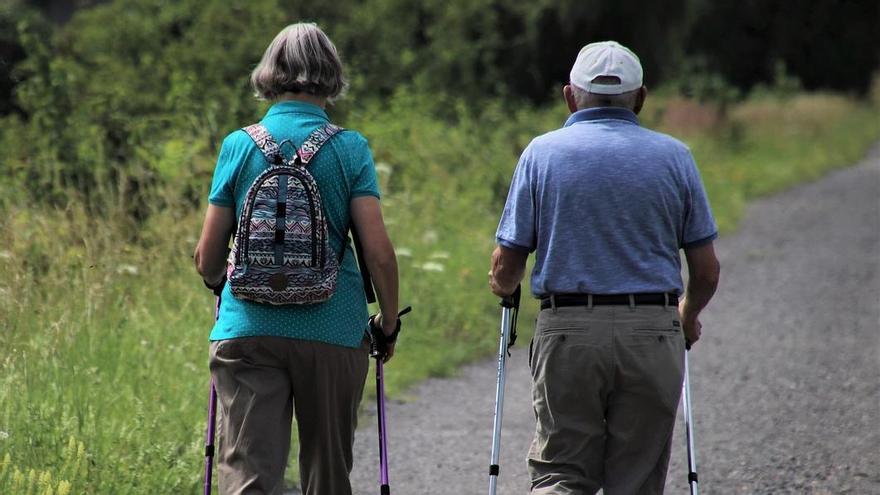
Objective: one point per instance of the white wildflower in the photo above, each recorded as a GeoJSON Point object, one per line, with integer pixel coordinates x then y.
{"type": "Point", "coordinates": [404, 251]}
{"type": "Point", "coordinates": [383, 167]}
{"type": "Point", "coordinates": [429, 237]}
{"type": "Point", "coordinates": [3, 435]}
{"type": "Point", "coordinates": [439, 255]}
{"type": "Point", "coordinates": [127, 270]}
{"type": "Point", "coordinates": [431, 266]}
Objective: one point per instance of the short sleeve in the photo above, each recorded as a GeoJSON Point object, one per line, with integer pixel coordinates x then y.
{"type": "Point", "coordinates": [365, 181]}
{"type": "Point", "coordinates": [222, 186]}
{"type": "Point", "coordinates": [516, 230]}
{"type": "Point", "coordinates": [699, 223]}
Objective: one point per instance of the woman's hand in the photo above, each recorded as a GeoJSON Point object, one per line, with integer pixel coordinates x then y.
{"type": "Point", "coordinates": [384, 332]}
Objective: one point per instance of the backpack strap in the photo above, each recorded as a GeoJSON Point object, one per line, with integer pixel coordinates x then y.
{"type": "Point", "coordinates": [270, 149]}
{"type": "Point", "coordinates": [265, 142]}
{"type": "Point", "coordinates": [314, 142]}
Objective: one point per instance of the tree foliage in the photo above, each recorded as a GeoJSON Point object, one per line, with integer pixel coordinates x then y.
{"type": "Point", "coordinates": [826, 44]}
{"type": "Point", "coordinates": [128, 90]}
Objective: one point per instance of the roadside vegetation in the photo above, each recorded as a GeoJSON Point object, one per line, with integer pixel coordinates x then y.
{"type": "Point", "coordinates": [103, 378]}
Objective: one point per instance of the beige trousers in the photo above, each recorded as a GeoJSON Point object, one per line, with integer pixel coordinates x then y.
{"type": "Point", "coordinates": [261, 383]}
{"type": "Point", "coordinates": [606, 382]}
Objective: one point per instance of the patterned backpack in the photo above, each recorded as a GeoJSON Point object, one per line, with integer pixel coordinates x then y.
{"type": "Point", "coordinates": [281, 253]}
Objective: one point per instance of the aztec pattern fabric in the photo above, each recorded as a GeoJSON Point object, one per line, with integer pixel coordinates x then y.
{"type": "Point", "coordinates": [281, 253]}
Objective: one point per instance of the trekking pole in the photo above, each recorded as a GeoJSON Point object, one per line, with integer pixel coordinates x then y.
{"type": "Point", "coordinates": [509, 312]}
{"type": "Point", "coordinates": [378, 351]}
{"type": "Point", "coordinates": [689, 428]}
{"type": "Point", "coordinates": [209, 438]}
{"type": "Point", "coordinates": [384, 484]}
{"type": "Point", "coordinates": [212, 420]}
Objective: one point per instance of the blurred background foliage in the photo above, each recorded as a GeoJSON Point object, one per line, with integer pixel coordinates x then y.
{"type": "Point", "coordinates": [111, 114]}
{"type": "Point", "coordinates": [116, 92]}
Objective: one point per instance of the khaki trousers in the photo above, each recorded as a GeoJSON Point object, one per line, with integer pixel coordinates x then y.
{"type": "Point", "coordinates": [261, 383]}
{"type": "Point", "coordinates": [606, 382]}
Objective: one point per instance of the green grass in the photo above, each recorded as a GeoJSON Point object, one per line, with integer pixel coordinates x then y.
{"type": "Point", "coordinates": [103, 379]}
{"type": "Point", "coordinates": [769, 145]}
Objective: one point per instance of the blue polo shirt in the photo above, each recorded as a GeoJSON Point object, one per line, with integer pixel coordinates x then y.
{"type": "Point", "coordinates": [343, 170]}
{"type": "Point", "coordinates": [606, 205]}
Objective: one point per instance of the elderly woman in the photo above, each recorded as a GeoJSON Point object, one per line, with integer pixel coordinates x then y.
{"type": "Point", "coordinates": [270, 362]}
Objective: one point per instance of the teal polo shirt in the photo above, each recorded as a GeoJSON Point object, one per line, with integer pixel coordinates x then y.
{"type": "Point", "coordinates": [344, 170]}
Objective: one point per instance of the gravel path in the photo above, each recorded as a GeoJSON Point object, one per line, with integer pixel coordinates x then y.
{"type": "Point", "coordinates": [786, 381]}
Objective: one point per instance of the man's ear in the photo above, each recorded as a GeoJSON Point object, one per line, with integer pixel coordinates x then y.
{"type": "Point", "coordinates": [568, 94]}
{"type": "Point", "coordinates": [640, 99]}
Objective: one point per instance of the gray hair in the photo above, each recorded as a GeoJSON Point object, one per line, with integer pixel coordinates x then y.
{"type": "Point", "coordinates": [584, 99]}
{"type": "Point", "coordinates": [301, 59]}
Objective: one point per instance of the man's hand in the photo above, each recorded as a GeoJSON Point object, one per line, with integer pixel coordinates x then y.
{"type": "Point", "coordinates": [703, 273]}
{"type": "Point", "coordinates": [508, 269]}
{"type": "Point", "coordinates": [690, 324]}
{"type": "Point", "coordinates": [495, 287]}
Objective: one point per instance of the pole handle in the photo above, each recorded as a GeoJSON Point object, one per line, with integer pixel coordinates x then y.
{"type": "Point", "coordinates": [512, 301]}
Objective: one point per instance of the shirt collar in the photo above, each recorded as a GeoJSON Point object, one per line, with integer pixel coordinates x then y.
{"type": "Point", "coordinates": [602, 113]}
{"type": "Point", "coordinates": [294, 106]}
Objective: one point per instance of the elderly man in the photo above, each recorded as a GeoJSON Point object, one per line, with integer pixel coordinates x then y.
{"type": "Point", "coordinates": [606, 205]}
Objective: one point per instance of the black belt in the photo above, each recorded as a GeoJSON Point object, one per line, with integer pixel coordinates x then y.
{"type": "Point", "coordinates": [655, 299]}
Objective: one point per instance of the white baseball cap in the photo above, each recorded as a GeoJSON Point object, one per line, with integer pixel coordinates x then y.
{"type": "Point", "coordinates": [606, 58]}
